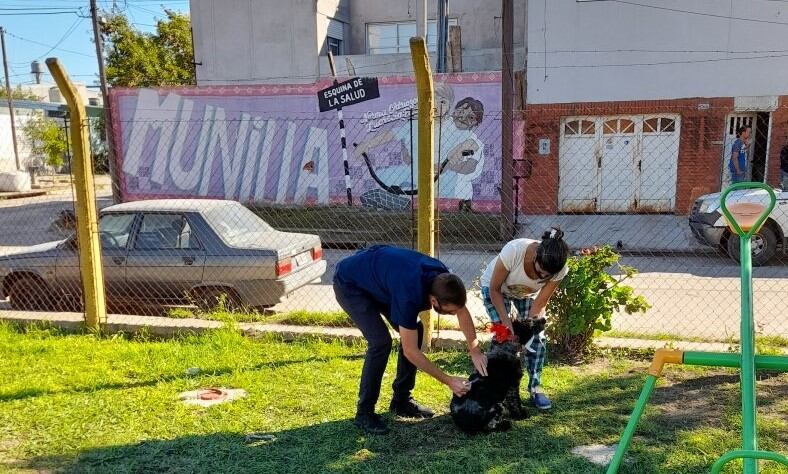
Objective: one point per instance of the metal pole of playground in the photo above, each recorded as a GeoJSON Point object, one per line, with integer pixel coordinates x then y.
{"type": "Point", "coordinates": [747, 341]}
{"type": "Point", "coordinates": [747, 361]}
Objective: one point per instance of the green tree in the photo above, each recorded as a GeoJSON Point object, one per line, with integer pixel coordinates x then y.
{"type": "Point", "coordinates": [139, 59]}
{"type": "Point", "coordinates": [47, 138]}
{"type": "Point", "coordinates": [18, 93]}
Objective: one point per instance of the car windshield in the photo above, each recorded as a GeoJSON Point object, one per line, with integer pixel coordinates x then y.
{"type": "Point", "coordinates": [235, 224]}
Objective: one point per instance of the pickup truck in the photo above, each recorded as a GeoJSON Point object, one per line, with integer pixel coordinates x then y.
{"type": "Point", "coordinates": [709, 227]}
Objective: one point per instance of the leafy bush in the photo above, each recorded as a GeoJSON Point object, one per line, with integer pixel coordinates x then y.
{"type": "Point", "coordinates": [586, 300]}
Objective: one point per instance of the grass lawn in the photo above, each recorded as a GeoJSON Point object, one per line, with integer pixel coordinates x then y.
{"type": "Point", "coordinates": [343, 225]}
{"type": "Point", "coordinates": [83, 404]}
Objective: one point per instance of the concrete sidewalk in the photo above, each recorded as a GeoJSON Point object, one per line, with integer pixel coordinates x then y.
{"type": "Point", "coordinates": [639, 233]}
{"type": "Point", "coordinates": [169, 327]}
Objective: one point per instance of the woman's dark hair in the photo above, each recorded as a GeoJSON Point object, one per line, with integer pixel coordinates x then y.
{"type": "Point", "coordinates": [552, 252]}
{"type": "Point", "coordinates": [448, 288]}
{"type": "Point", "coordinates": [741, 130]}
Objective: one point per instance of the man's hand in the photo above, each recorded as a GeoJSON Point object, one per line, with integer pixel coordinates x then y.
{"type": "Point", "coordinates": [479, 361]}
{"type": "Point", "coordinates": [459, 386]}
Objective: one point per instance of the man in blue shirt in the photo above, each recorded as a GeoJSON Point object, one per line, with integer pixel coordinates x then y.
{"type": "Point", "coordinates": [738, 163]}
{"type": "Point", "coordinates": [398, 284]}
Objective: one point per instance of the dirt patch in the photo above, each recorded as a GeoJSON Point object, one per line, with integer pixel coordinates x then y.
{"type": "Point", "coordinates": [687, 399]}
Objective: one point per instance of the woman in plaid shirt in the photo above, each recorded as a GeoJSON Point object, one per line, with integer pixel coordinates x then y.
{"type": "Point", "coordinates": [525, 274]}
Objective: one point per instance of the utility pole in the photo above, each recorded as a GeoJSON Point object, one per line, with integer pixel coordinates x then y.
{"type": "Point", "coordinates": [109, 136]}
{"type": "Point", "coordinates": [421, 19]}
{"type": "Point", "coordinates": [507, 125]}
{"type": "Point", "coordinates": [443, 33]}
{"type": "Point", "coordinates": [10, 99]}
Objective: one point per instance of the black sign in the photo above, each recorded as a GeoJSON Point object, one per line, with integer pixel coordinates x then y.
{"type": "Point", "coordinates": [348, 93]}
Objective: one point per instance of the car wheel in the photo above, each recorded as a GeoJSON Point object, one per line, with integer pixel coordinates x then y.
{"type": "Point", "coordinates": [29, 293]}
{"type": "Point", "coordinates": [764, 246]}
{"type": "Point", "coordinates": [213, 299]}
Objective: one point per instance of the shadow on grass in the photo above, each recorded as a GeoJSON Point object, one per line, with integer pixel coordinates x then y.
{"type": "Point", "coordinates": [591, 411]}
{"type": "Point", "coordinates": [30, 393]}
{"type": "Point", "coordinates": [427, 446]}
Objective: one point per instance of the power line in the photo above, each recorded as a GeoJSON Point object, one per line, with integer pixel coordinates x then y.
{"type": "Point", "coordinates": [48, 45]}
{"type": "Point", "coordinates": [688, 12]}
{"type": "Point", "coordinates": [68, 33]}
{"type": "Point", "coordinates": [70, 12]}
{"type": "Point", "coordinates": [29, 8]}
{"type": "Point", "coordinates": [694, 61]}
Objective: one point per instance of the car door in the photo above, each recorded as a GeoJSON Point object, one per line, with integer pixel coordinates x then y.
{"type": "Point", "coordinates": [114, 232]}
{"type": "Point", "coordinates": [165, 259]}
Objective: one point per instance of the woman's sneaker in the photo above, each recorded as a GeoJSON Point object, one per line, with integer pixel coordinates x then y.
{"type": "Point", "coordinates": [540, 401]}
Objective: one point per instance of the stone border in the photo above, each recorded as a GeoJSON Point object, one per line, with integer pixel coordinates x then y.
{"type": "Point", "coordinates": [169, 327]}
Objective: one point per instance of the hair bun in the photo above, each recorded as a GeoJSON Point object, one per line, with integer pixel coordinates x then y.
{"type": "Point", "coordinates": [553, 233]}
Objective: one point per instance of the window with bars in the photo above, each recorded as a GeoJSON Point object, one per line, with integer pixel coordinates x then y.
{"type": "Point", "coordinates": [390, 38]}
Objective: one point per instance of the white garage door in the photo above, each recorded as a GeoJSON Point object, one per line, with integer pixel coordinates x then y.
{"type": "Point", "coordinates": [577, 166]}
{"type": "Point", "coordinates": [618, 164]}
{"type": "Point", "coordinates": [658, 162]}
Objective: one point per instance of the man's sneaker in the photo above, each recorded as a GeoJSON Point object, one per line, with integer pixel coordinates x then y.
{"type": "Point", "coordinates": [371, 423]}
{"type": "Point", "coordinates": [410, 409]}
{"type": "Point", "coordinates": [540, 401]}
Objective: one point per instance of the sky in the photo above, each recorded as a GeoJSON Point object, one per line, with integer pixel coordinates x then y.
{"type": "Point", "coordinates": [37, 29]}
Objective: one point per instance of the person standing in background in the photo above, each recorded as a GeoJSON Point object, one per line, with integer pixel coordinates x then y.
{"type": "Point", "coordinates": [738, 161]}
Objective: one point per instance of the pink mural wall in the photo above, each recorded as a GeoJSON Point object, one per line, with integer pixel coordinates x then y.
{"type": "Point", "coordinates": [270, 144]}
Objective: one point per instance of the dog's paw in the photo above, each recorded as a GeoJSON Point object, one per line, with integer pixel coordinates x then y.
{"type": "Point", "coordinates": [520, 414]}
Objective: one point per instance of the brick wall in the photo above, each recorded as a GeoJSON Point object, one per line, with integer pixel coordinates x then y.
{"type": "Point", "coordinates": [700, 148]}
{"type": "Point", "coordinates": [778, 138]}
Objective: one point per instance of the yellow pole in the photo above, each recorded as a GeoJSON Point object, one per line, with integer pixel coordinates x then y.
{"type": "Point", "coordinates": [426, 215]}
{"type": "Point", "coordinates": [87, 226]}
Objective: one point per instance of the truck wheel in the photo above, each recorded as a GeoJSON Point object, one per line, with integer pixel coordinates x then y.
{"type": "Point", "coordinates": [764, 246]}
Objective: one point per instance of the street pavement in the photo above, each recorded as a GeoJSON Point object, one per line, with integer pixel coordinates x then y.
{"type": "Point", "coordinates": [693, 295]}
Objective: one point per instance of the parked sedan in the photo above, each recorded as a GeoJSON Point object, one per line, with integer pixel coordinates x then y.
{"type": "Point", "coordinates": [170, 252]}
{"type": "Point", "coordinates": [708, 225]}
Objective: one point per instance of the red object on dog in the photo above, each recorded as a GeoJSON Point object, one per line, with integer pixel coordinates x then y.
{"type": "Point", "coordinates": [500, 332]}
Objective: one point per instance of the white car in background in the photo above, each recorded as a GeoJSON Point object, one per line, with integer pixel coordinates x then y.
{"type": "Point", "coordinates": [709, 227]}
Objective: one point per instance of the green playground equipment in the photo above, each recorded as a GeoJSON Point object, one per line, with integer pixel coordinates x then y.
{"type": "Point", "coordinates": [744, 219]}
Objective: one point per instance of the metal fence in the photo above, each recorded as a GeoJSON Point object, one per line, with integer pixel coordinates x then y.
{"type": "Point", "coordinates": [634, 176]}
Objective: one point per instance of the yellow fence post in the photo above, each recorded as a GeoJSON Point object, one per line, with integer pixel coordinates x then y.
{"type": "Point", "coordinates": [426, 215]}
{"type": "Point", "coordinates": [87, 226]}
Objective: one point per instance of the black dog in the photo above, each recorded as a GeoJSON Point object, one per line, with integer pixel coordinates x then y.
{"type": "Point", "coordinates": [493, 400]}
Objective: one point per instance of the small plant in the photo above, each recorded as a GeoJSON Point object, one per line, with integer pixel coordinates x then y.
{"type": "Point", "coordinates": [586, 300]}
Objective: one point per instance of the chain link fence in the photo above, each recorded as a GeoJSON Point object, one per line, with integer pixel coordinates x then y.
{"type": "Point", "coordinates": [245, 198]}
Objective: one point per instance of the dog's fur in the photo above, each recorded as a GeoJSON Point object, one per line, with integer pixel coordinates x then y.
{"type": "Point", "coordinates": [494, 400]}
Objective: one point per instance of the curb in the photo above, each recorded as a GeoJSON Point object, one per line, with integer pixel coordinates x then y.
{"type": "Point", "coordinates": [22, 195]}
{"type": "Point", "coordinates": [171, 327]}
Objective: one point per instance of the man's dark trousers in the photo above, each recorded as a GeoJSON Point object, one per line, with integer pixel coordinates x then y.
{"type": "Point", "coordinates": [366, 314]}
